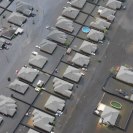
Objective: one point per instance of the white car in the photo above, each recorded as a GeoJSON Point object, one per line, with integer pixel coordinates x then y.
{"type": "Point", "coordinates": [34, 53]}
{"type": "Point", "coordinates": [40, 83]}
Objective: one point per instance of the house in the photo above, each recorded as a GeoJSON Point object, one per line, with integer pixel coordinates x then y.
{"type": "Point", "coordinates": [125, 74]}
{"type": "Point", "coordinates": [57, 36]}
{"type": "Point", "coordinates": [78, 3]}
{"type": "Point", "coordinates": [37, 60]}
{"type": "Point", "coordinates": [17, 19]}
{"type": "Point", "coordinates": [62, 87]}
{"type": "Point", "coordinates": [47, 46]}
{"type": "Point", "coordinates": [81, 60]}
{"type": "Point", "coordinates": [24, 8]}
{"type": "Point", "coordinates": [42, 120]}
{"type": "Point", "coordinates": [95, 35]}
{"type": "Point", "coordinates": [7, 106]}
{"type": "Point", "coordinates": [70, 12]}
{"type": "Point", "coordinates": [72, 73]}
{"type": "Point", "coordinates": [88, 47]}
{"type": "Point", "coordinates": [18, 86]}
{"type": "Point", "coordinates": [32, 131]}
{"type": "Point", "coordinates": [109, 115]}
{"type": "Point", "coordinates": [114, 4]}
{"type": "Point", "coordinates": [106, 13]}
{"type": "Point", "coordinates": [65, 24]}
{"type": "Point", "coordinates": [54, 104]}
{"type": "Point", "coordinates": [27, 74]}
{"type": "Point", "coordinates": [100, 24]}
{"type": "Point", "coordinates": [8, 33]}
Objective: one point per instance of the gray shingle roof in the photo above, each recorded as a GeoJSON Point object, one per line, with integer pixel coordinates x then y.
{"type": "Point", "coordinates": [95, 35]}
{"type": "Point", "coordinates": [42, 120]}
{"type": "Point", "coordinates": [32, 131]}
{"type": "Point", "coordinates": [19, 86]}
{"type": "Point", "coordinates": [16, 18]}
{"type": "Point", "coordinates": [7, 105]}
{"type": "Point", "coordinates": [125, 74]}
{"type": "Point", "coordinates": [78, 3]}
{"type": "Point", "coordinates": [100, 24]}
{"type": "Point", "coordinates": [114, 4]}
{"type": "Point", "coordinates": [88, 47]}
{"type": "Point", "coordinates": [72, 73]}
{"type": "Point", "coordinates": [70, 12]}
{"type": "Point", "coordinates": [37, 60]}
{"type": "Point", "coordinates": [23, 7]}
{"type": "Point", "coordinates": [47, 46]}
{"type": "Point", "coordinates": [28, 74]}
{"type": "Point", "coordinates": [110, 115]}
{"type": "Point", "coordinates": [106, 13]}
{"type": "Point", "coordinates": [65, 24]}
{"type": "Point", "coordinates": [81, 60]}
{"type": "Point", "coordinates": [54, 104]}
{"type": "Point", "coordinates": [62, 87]}
{"type": "Point", "coordinates": [57, 36]}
